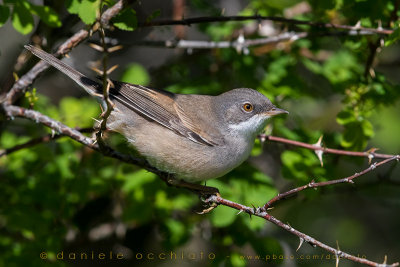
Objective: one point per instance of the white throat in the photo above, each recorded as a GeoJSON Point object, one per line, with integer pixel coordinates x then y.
{"type": "Point", "coordinates": [249, 128]}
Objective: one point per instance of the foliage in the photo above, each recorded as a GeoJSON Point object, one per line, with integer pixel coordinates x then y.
{"type": "Point", "coordinates": [48, 191]}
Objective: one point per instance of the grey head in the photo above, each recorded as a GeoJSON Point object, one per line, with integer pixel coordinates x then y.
{"type": "Point", "coordinates": [244, 112]}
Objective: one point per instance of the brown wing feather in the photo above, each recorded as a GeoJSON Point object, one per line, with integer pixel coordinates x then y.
{"type": "Point", "coordinates": [160, 107]}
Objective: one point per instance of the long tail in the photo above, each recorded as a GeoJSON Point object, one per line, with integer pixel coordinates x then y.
{"type": "Point", "coordinates": [91, 87]}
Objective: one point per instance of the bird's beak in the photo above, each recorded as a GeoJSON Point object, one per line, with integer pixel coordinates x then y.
{"type": "Point", "coordinates": [275, 111]}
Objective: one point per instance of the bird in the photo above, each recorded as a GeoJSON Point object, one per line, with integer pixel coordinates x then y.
{"type": "Point", "coordinates": [192, 137]}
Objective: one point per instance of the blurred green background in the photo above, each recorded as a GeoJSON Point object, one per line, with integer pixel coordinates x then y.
{"type": "Point", "coordinates": [60, 197]}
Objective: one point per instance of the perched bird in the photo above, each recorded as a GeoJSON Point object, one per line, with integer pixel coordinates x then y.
{"type": "Point", "coordinates": [193, 137]}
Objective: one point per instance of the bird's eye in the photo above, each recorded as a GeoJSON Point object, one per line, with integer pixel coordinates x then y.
{"type": "Point", "coordinates": [248, 107]}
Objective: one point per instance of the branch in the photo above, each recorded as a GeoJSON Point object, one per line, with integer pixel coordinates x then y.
{"type": "Point", "coordinates": [26, 80]}
{"type": "Point", "coordinates": [76, 135]}
{"type": "Point", "coordinates": [370, 154]}
{"type": "Point", "coordinates": [241, 42]}
{"type": "Point", "coordinates": [190, 21]}
{"type": "Point", "coordinates": [312, 184]}
{"type": "Point", "coordinates": [259, 212]}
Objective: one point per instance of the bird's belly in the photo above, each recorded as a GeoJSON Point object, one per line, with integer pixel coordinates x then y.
{"type": "Point", "coordinates": [175, 154]}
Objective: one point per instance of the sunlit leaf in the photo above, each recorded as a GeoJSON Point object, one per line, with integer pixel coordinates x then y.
{"type": "Point", "coordinates": [22, 19]}
{"type": "Point", "coordinates": [126, 20]}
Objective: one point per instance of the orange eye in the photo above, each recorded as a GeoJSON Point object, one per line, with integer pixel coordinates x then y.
{"type": "Point", "coordinates": [248, 107]}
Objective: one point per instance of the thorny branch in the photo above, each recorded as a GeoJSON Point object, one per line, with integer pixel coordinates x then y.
{"type": "Point", "coordinates": [368, 154]}
{"type": "Point", "coordinates": [190, 21]}
{"type": "Point", "coordinates": [240, 43]}
{"type": "Point", "coordinates": [260, 212]}
{"type": "Point", "coordinates": [375, 47]}
{"type": "Point", "coordinates": [60, 128]}
{"type": "Point", "coordinates": [313, 184]}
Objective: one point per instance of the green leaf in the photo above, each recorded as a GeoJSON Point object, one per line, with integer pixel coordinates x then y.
{"type": "Point", "coordinates": [88, 10]}
{"type": "Point", "coordinates": [394, 37]}
{"type": "Point", "coordinates": [73, 6]}
{"type": "Point", "coordinates": [345, 117]}
{"type": "Point", "coordinates": [137, 179]}
{"type": "Point", "coordinates": [4, 14]}
{"type": "Point", "coordinates": [237, 260]}
{"type": "Point", "coordinates": [176, 229]}
{"type": "Point", "coordinates": [136, 74]}
{"type": "Point", "coordinates": [22, 19]}
{"type": "Point", "coordinates": [367, 128]}
{"type": "Point", "coordinates": [223, 216]}
{"type": "Point", "coordinates": [356, 135]}
{"type": "Point", "coordinates": [47, 14]}
{"type": "Point", "coordinates": [126, 20]}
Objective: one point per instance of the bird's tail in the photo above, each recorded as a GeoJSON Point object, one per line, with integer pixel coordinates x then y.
{"type": "Point", "coordinates": [91, 87]}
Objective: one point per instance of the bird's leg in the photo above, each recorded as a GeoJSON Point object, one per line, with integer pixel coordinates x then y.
{"type": "Point", "coordinates": [203, 191]}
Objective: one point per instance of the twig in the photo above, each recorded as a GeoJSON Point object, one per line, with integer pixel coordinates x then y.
{"type": "Point", "coordinates": [26, 80]}
{"type": "Point", "coordinates": [106, 85]}
{"type": "Point", "coordinates": [190, 21]}
{"type": "Point", "coordinates": [368, 154]}
{"type": "Point", "coordinates": [285, 36]}
{"type": "Point", "coordinates": [238, 44]}
{"type": "Point", "coordinates": [312, 184]}
{"type": "Point", "coordinates": [76, 135]}
{"type": "Point", "coordinates": [259, 212]}
{"type": "Point", "coordinates": [375, 47]}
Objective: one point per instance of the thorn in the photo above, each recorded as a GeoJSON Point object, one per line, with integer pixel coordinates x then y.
{"type": "Point", "coordinates": [53, 133]}
{"type": "Point", "coordinates": [66, 55]}
{"type": "Point", "coordinates": [112, 69]}
{"type": "Point", "coordinates": [254, 208]}
{"type": "Point", "coordinates": [262, 137]}
{"type": "Point", "coordinates": [385, 260]}
{"type": "Point", "coordinates": [379, 25]}
{"type": "Point", "coordinates": [96, 47]}
{"type": "Point", "coordinates": [301, 243]}
{"type": "Point", "coordinates": [239, 43]}
{"type": "Point", "coordinates": [358, 25]}
{"type": "Point", "coordinates": [373, 166]}
{"type": "Point", "coordinates": [100, 72]}
{"type": "Point", "coordinates": [371, 154]}
{"type": "Point", "coordinates": [96, 120]}
{"type": "Point", "coordinates": [96, 26]}
{"type": "Point", "coordinates": [115, 48]}
{"type": "Point", "coordinates": [337, 254]}
{"type": "Point", "coordinates": [372, 72]}
{"type": "Point", "coordinates": [240, 211]}
{"type": "Point", "coordinates": [319, 152]}
{"type": "Point", "coordinates": [110, 84]}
